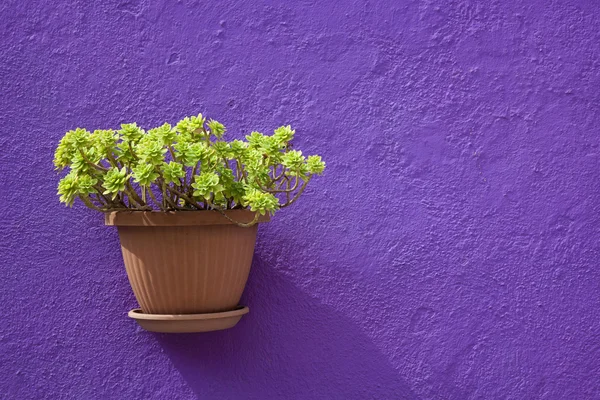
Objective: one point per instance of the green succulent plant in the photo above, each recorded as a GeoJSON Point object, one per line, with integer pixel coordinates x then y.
{"type": "Point", "coordinates": [186, 167]}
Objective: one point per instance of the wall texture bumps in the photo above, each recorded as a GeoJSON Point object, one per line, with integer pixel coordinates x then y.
{"type": "Point", "coordinates": [450, 252]}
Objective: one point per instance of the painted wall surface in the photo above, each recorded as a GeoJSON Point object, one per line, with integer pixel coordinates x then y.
{"type": "Point", "coordinates": [450, 251]}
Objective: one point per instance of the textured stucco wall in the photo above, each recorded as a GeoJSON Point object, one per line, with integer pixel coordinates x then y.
{"type": "Point", "coordinates": [450, 252]}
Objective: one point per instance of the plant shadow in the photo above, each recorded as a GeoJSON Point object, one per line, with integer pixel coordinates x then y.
{"type": "Point", "coordinates": [289, 346]}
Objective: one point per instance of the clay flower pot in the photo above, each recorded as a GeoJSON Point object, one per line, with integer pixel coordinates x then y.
{"type": "Point", "coordinates": [187, 269]}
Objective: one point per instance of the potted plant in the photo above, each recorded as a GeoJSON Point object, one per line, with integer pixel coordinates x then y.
{"type": "Point", "coordinates": [187, 205]}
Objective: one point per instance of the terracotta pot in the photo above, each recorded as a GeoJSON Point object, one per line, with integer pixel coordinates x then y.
{"type": "Point", "coordinates": [187, 262]}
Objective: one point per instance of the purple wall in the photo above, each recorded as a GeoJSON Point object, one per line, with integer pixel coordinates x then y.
{"type": "Point", "coordinates": [450, 251]}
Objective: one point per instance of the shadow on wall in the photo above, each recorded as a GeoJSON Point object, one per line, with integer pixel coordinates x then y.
{"type": "Point", "coordinates": [289, 346]}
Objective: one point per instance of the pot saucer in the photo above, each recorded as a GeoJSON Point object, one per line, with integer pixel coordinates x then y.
{"type": "Point", "coordinates": [180, 323]}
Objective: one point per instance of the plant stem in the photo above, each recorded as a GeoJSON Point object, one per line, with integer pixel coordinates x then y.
{"type": "Point", "coordinates": [156, 202]}
{"type": "Point", "coordinates": [133, 194]}
{"type": "Point", "coordinates": [89, 204]}
{"type": "Point", "coordinates": [290, 202]}
{"type": "Point", "coordinates": [284, 190]}
{"type": "Point", "coordinates": [242, 224]}
{"type": "Point", "coordinates": [172, 152]}
{"type": "Point", "coordinates": [141, 205]}
{"type": "Point", "coordinates": [185, 197]}
{"type": "Point", "coordinates": [96, 166]}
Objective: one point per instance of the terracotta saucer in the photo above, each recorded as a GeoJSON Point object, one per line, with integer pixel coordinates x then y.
{"type": "Point", "coordinates": [179, 323]}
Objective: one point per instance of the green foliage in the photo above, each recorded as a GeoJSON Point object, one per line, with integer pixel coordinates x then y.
{"type": "Point", "coordinates": [131, 132]}
{"type": "Point", "coordinates": [283, 134]}
{"type": "Point", "coordinates": [173, 172]}
{"type": "Point", "coordinates": [74, 185]}
{"type": "Point", "coordinates": [216, 128]}
{"type": "Point", "coordinates": [165, 135]}
{"type": "Point", "coordinates": [205, 184]}
{"type": "Point", "coordinates": [293, 160]}
{"type": "Point", "coordinates": [67, 188]}
{"type": "Point", "coordinates": [191, 126]}
{"type": "Point", "coordinates": [145, 174]}
{"type": "Point", "coordinates": [260, 201]}
{"type": "Point", "coordinates": [190, 153]}
{"type": "Point", "coordinates": [104, 141]}
{"type": "Point", "coordinates": [150, 151]}
{"type": "Point", "coordinates": [315, 165]}
{"type": "Point", "coordinates": [185, 167]}
{"type": "Point", "coordinates": [115, 181]}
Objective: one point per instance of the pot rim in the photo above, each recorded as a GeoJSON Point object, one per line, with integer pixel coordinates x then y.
{"type": "Point", "coordinates": [180, 218]}
{"type": "Point", "coordinates": [137, 313]}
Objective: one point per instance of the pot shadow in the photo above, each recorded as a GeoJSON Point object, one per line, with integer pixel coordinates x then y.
{"type": "Point", "coordinates": [289, 346]}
